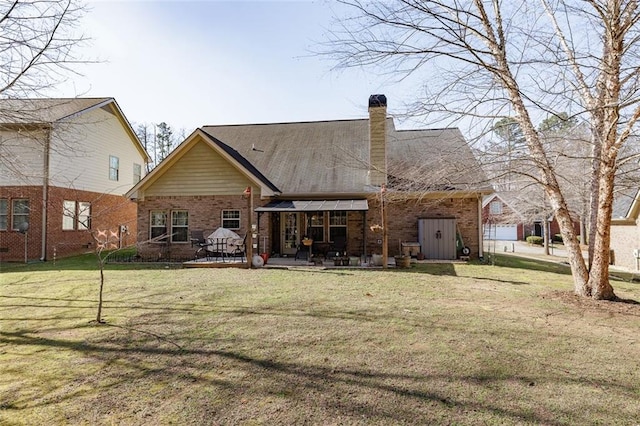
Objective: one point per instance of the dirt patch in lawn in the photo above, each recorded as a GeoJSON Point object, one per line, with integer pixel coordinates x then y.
{"type": "Point", "coordinates": [621, 306]}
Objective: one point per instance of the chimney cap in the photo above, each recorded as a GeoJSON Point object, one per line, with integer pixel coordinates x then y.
{"type": "Point", "coordinates": [377, 101]}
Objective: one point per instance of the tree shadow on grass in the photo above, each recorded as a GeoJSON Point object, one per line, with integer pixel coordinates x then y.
{"type": "Point", "coordinates": [358, 393]}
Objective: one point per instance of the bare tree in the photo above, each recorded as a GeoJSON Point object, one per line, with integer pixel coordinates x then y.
{"type": "Point", "coordinates": [491, 59]}
{"type": "Point", "coordinates": [37, 42]}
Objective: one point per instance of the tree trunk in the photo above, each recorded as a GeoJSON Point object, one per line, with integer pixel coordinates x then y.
{"type": "Point", "coordinates": [99, 315]}
{"type": "Point", "coordinates": [545, 234]}
{"type": "Point", "coordinates": [599, 284]}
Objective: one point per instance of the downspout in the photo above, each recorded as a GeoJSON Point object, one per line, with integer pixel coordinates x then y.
{"type": "Point", "coordinates": [480, 232]}
{"type": "Point", "coordinates": [45, 192]}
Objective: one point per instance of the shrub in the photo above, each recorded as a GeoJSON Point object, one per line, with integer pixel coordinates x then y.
{"type": "Point", "coordinates": [533, 239]}
{"type": "Point", "coordinates": [557, 238]}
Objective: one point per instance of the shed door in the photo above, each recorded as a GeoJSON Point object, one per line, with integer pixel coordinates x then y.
{"type": "Point", "coordinates": [438, 238]}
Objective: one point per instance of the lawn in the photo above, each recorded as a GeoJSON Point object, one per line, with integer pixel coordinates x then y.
{"type": "Point", "coordinates": [437, 344]}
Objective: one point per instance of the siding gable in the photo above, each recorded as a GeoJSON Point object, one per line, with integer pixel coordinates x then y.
{"type": "Point", "coordinates": [200, 171]}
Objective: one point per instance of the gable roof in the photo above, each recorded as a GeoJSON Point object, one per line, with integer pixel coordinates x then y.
{"type": "Point", "coordinates": [626, 205]}
{"type": "Point", "coordinates": [331, 157]}
{"type": "Point", "coordinates": [41, 111]}
{"type": "Point", "coordinates": [20, 112]}
{"type": "Point", "coordinates": [507, 200]}
{"type": "Point", "coordinates": [267, 188]}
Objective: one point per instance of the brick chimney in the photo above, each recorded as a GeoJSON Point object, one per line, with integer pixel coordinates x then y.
{"type": "Point", "coordinates": [377, 140]}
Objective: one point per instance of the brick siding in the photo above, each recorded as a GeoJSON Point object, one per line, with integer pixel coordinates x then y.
{"type": "Point", "coordinates": [205, 213]}
{"type": "Point", "coordinates": [107, 212]}
{"type": "Point", "coordinates": [403, 215]}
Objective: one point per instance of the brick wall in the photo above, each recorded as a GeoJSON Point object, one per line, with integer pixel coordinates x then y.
{"type": "Point", "coordinates": [403, 215]}
{"type": "Point", "coordinates": [205, 213]}
{"type": "Point", "coordinates": [12, 243]}
{"type": "Point", "coordinates": [107, 212]}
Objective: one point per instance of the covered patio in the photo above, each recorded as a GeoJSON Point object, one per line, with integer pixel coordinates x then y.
{"type": "Point", "coordinates": [307, 229]}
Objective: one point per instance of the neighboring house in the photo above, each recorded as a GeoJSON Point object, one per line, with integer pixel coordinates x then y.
{"type": "Point", "coordinates": [502, 221]}
{"type": "Point", "coordinates": [625, 230]}
{"type": "Point", "coordinates": [322, 180]}
{"type": "Point", "coordinates": [64, 167]}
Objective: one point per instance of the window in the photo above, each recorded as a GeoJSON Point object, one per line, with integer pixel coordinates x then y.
{"type": "Point", "coordinates": [4, 214]}
{"type": "Point", "coordinates": [495, 207]}
{"type": "Point", "coordinates": [68, 215]}
{"type": "Point", "coordinates": [337, 225]}
{"type": "Point", "coordinates": [20, 212]}
{"type": "Point", "coordinates": [179, 226]}
{"type": "Point", "coordinates": [316, 226]}
{"type": "Point", "coordinates": [75, 215]}
{"type": "Point", "coordinates": [84, 215]}
{"type": "Point", "coordinates": [114, 167]}
{"type": "Point", "coordinates": [231, 219]}
{"type": "Point", "coordinates": [137, 173]}
{"type": "Point", "coordinates": [158, 224]}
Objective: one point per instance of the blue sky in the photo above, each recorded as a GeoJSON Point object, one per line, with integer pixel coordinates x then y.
{"type": "Point", "coordinates": [221, 62]}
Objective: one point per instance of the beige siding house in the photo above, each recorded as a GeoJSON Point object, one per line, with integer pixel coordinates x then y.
{"type": "Point", "coordinates": [625, 230]}
{"type": "Point", "coordinates": [66, 164]}
{"type": "Point", "coordinates": [320, 180]}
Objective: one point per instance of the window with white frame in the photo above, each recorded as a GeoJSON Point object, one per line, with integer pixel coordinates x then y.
{"type": "Point", "coordinates": [337, 224]}
{"type": "Point", "coordinates": [137, 172]}
{"type": "Point", "coordinates": [231, 219]}
{"type": "Point", "coordinates": [75, 215]}
{"type": "Point", "coordinates": [68, 215]}
{"type": "Point", "coordinates": [4, 214]}
{"type": "Point", "coordinates": [316, 226]}
{"type": "Point", "coordinates": [114, 167]}
{"type": "Point", "coordinates": [179, 226]}
{"type": "Point", "coordinates": [495, 207]}
{"type": "Point", "coordinates": [84, 215]}
{"type": "Point", "coordinates": [158, 224]}
{"type": "Point", "coordinates": [20, 214]}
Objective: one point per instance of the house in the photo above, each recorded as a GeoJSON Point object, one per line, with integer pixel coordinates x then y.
{"type": "Point", "coordinates": [502, 221]}
{"type": "Point", "coordinates": [625, 230]}
{"type": "Point", "coordinates": [65, 165]}
{"type": "Point", "coordinates": [321, 180]}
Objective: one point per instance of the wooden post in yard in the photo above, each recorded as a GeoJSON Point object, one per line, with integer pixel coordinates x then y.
{"type": "Point", "coordinates": [248, 192]}
{"type": "Point", "coordinates": [385, 240]}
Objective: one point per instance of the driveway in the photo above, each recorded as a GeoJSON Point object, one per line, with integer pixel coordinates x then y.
{"type": "Point", "coordinates": [521, 248]}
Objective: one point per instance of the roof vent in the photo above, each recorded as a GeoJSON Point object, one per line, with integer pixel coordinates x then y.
{"type": "Point", "coordinates": [377, 101]}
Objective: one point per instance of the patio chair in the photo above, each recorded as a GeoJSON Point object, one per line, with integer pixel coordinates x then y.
{"type": "Point", "coordinates": [198, 240]}
{"type": "Point", "coordinates": [238, 247]}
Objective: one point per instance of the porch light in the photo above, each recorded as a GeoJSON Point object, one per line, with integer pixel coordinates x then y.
{"type": "Point", "coordinates": [246, 193]}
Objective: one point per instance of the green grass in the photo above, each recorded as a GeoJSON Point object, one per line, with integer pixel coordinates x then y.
{"type": "Point", "coordinates": [436, 344]}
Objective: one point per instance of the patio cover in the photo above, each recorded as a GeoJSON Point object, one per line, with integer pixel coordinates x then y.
{"type": "Point", "coordinates": [314, 206]}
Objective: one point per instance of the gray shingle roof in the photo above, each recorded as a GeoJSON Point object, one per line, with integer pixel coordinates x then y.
{"type": "Point", "coordinates": [622, 202]}
{"type": "Point", "coordinates": [30, 111]}
{"type": "Point", "coordinates": [332, 156]}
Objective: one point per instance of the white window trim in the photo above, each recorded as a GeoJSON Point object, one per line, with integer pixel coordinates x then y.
{"type": "Point", "coordinates": [239, 218]}
{"type": "Point", "coordinates": [186, 226]}
{"type": "Point", "coordinates": [116, 169]}
{"type": "Point", "coordinates": [495, 207]}
{"type": "Point", "coordinates": [13, 214]}
{"type": "Point", "coordinates": [68, 215]}
{"type": "Point", "coordinates": [5, 214]}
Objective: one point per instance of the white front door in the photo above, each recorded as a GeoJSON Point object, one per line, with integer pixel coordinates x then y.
{"type": "Point", "coordinates": [289, 235]}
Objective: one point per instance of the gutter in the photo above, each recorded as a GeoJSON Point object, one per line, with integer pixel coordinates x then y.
{"type": "Point", "coordinates": [45, 193]}
{"type": "Point", "coordinates": [480, 230]}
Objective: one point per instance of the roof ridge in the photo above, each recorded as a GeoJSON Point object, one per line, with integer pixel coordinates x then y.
{"type": "Point", "coordinates": [285, 122]}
